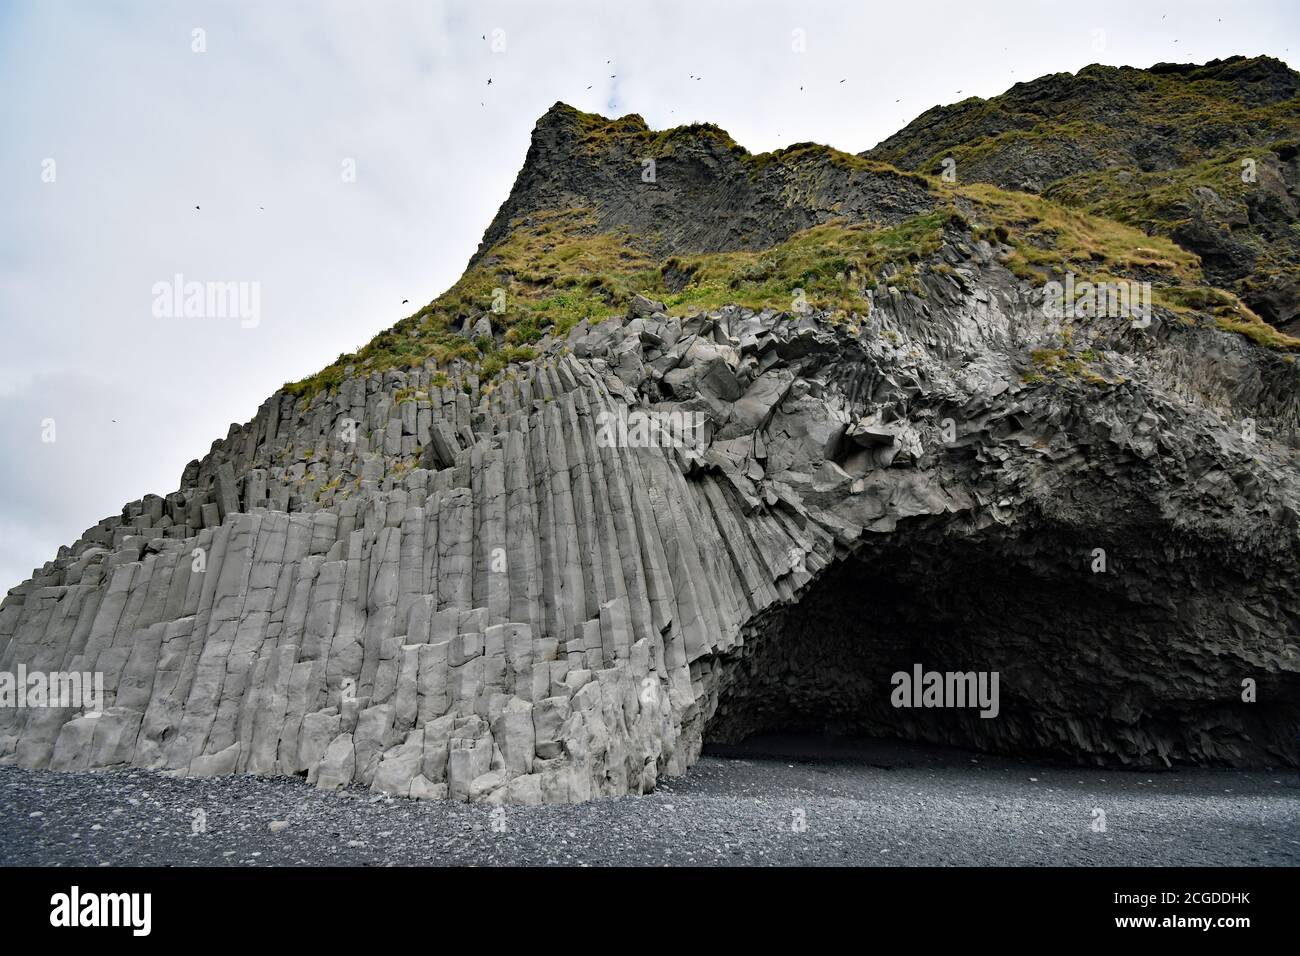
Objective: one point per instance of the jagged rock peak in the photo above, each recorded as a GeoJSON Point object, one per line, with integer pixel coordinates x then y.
{"type": "Point", "coordinates": [692, 188]}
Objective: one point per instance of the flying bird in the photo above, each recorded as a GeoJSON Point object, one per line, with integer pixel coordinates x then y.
{"type": "Point", "coordinates": [489, 81]}
{"type": "Point", "coordinates": [404, 301]}
{"type": "Point", "coordinates": [196, 207]}
{"type": "Point", "coordinates": [843, 80]}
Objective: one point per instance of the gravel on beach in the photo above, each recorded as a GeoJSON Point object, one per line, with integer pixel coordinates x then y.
{"type": "Point", "coordinates": [768, 802]}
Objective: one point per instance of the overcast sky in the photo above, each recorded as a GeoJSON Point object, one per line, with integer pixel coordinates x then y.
{"type": "Point", "coordinates": [256, 130]}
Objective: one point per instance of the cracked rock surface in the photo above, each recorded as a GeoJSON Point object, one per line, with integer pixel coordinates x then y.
{"type": "Point", "coordinates": [472, 593]}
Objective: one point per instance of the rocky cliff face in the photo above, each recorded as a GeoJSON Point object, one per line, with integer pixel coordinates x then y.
{"type": "Point", "coordinates": [704, 193]}
{"type": "Point", "coordinates": [496, 570]}
{"type": "Point", "coordinates": [1204, 154]}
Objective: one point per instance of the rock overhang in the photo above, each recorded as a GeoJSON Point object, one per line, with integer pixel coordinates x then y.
{"type": "Point", "coordinates": [458, 589]}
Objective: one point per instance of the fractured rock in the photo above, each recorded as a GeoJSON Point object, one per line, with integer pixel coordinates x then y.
{"type": "Point", "coordinates": [480, 598]}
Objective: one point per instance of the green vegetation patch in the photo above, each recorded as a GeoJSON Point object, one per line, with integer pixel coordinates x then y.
{"type": "Point", "coordinates": [1049, 238]}
{"type": "Point", "coordinates": [556, 268]}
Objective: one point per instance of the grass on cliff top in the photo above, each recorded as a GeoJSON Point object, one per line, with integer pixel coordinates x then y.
{"type": "Point", "coordinates": [1150, 200]}
{"type": "Point", "coordinates": [1242, 127]}
{"type": "Point", "coordinates": [552, 272]}
{"type": "Point", "coordinates": [1049, 238]}
{"type": "Point", "coordinates": [1161, 202]}
{"type": "Point", "coordinates": [833, 265]}
{"type": "Point", "coordinates": [553, 269]}
{"type": "Point", "coordinates": [1229, 313]}
{"type": "Point", "coordinates": [556, 268]}
{"type": "Point", "coordinates": [1157, 202]}
{"type": "Point", "coordinates": [600, 134]}
{"type": "Point", "coordinates": [1203, 109]}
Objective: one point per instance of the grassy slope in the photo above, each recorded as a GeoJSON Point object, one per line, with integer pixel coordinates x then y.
{"type": "Point", "coordinates": [558, 268]}
{"type": "Point", "coordinates": [1202, 111]}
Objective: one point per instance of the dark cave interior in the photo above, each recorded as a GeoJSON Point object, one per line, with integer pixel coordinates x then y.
{"type": "Point", "coordinates": [1074, 652]}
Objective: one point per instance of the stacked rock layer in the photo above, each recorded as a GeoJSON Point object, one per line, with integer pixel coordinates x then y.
{"type": "Point", "coordinates": [486, 592]}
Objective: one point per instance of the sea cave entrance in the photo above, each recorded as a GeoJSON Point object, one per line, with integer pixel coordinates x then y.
{"type": "Point", "coordinates": [1090, 668]}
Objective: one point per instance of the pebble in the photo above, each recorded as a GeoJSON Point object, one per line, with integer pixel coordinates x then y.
{"type": "Point", "coordinates": [923, 806]}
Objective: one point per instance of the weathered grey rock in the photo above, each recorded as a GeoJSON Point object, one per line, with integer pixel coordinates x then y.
{"type": "Point", "coordinates": [400, 766]}
{"type": "Point", "coordinates": [482, 329]}
{"type": "Point", "coordinates": [540, 616]}
{"type": "Point", "coordinates": [423, 789]}
{"type": "Point", "coordinates": [512, 730]}
{"type": "Point", "coordinates": [645, 307]}
{"type": "Point", "coordinates": [338, 766]}
{"type": "Point", "coordinates": [469, 757]}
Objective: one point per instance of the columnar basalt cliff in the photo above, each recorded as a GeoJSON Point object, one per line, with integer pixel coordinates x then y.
{"type": "Point", "coordinates": [456, 565]}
